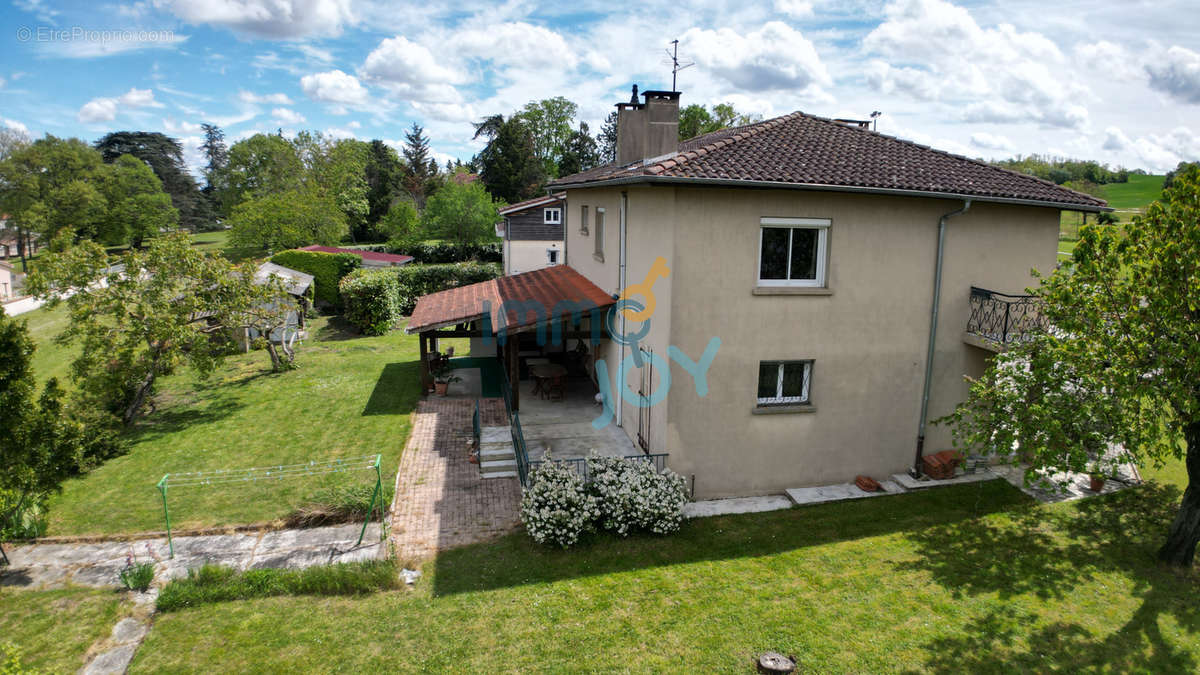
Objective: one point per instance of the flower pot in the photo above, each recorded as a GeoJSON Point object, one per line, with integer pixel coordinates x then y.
{"type": "Point", "coordinates": [1097, 483]}
{"type": "Point", "coordinates": [439, 388]}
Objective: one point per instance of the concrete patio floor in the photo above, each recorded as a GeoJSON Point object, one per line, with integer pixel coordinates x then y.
{"type": "Point", "coordinates": [564, 427]}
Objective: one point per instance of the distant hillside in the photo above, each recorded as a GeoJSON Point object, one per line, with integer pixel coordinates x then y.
{"type": "Point", "coordinates": [1137, 193]}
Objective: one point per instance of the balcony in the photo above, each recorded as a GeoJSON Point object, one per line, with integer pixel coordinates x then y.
{"type": "Point", "coordinates": [999, 320]}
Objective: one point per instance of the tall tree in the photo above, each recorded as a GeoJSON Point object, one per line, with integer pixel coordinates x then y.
{"type": "Point", "coordinates": [260, 165]}
{"type": "Point", "coordinates": [137, 321]}
{"type": "Point", "coordinates": [216, 154]}
{"type": "Point", "coordinates": [137, 206]}
{"type": "Point", "coordinates": [696, 120]}
{"type": "Point", "coordinates": [416, 157]}
{"type": "Point", "coordinates": [1121, 366]}
{"type": "Point", "coordinates": [549, 124]}
{"type": "Point", "coordinates": [43, 441]}
{"type": "Point", "coordinates": [165, 156]}
{"type": "Point", "coordinates": [508, 166]}
{"type": "Point", "coordinates": [50, 186]}
{"type": "Point", "coordinates": [580, 153]}
{"type": "Point", "coordinates": [608, 138]}
{"type": "Point", "coordinates": [384, 175]}
{"type": "Point", "coordinates": [461, 212]}
{"type": "Point", "coordinates": [282, 220]}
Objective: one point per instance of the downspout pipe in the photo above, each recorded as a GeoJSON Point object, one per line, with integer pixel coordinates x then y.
{"type": "Point", "coordinates": [933, 325]}
{"type": "Point", "coordinates": [621, 281]}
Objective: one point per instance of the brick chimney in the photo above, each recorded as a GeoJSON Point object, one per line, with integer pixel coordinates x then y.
{"type": "Point", "coordinates": [648, 129]}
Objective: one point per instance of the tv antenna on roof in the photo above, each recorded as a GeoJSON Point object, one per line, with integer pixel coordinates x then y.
{"type": "Point", "coordinates": [675, 65]}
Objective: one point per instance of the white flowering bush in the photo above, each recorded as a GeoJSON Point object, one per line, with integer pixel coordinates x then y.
{"type": "Point", "coordinates": [633, 495]}
{"type": "Point", "coordinates": [556, 507]}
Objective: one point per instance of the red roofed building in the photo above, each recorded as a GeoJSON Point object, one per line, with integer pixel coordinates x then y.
{"type": "Point", "coordinates": [369, 258]}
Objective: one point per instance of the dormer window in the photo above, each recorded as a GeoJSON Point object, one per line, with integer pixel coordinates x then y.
{"type": "Point", "coordinates": [552, 216]}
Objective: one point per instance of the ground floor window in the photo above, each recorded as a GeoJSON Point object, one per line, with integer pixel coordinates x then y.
{"type": "Point", "coordinates": [552, 256]}
{"type": "Point", "coordinates": [784, 382]}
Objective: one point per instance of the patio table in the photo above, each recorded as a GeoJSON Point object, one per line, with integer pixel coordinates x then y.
{"type": "Point", "coordinates": [548, 377]}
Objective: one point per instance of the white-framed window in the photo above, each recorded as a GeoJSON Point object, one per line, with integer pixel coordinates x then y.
{"type": "Point", "coordinates": [552, 256]}
{"type": "Point", "coordinates": [793, 251]}
{"type": "Point", "coordinates": [784, 382]}
{"type": "Point", "coordinates": [583, 219]}
{"type": "Point", "coordinates": [599, 243]}
{"type": "Point", "coordinates": [552, 216]}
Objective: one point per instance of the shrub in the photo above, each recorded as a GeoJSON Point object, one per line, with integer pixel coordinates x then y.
{"type": "Point", "coordinates": [418, 280]}
{"type": "Point", "coordinates": [556, 507]}
{"type": "Point", "coordinates": [376, 300]}
{"type": "Point", "coordinates": [10, 661]}
{"type": "Point", "coordinates": [214, 583]}
{"type": "Point", "coordinates": [371, 300]}
{"type": "Point", "coordinates": [326, 268]}
{"type": "Point", "coordinates": [27, 523]}
{"type": "Point", "coordinates": [341, 504]}
{"type": "Point", "coordinates": [136, 576]}
{"type": "Point", "coordinates": [634, 495]}
{"type": "Point", "coordinates": [440, 252]}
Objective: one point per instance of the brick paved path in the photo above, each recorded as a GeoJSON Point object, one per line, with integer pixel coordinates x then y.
{"type": "Point", "coordinates": [441, 502]}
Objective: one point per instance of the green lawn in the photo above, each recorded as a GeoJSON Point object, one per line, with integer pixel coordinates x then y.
{"type": "Point", "coordinates": [966, 579]}
{"type": "Point", "coordinates": [50, 359]}
{"type": "Point", "coordinates": [351, 396]}
{"type": "Point", "coordinates": [1137, 193]}
{"type": "Point", "coordinates": [53, 629]}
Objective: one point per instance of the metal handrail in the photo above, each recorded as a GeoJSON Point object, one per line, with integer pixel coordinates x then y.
{"type": "Point", "coordinates": [579, 464]}
{"type": "Point", "coordinates": [1005, 318]}
{"type": "Point", "coordinates": [519, 449]}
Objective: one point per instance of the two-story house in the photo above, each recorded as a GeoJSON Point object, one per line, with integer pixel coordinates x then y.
{"type": "Point", "coordinates": [532, 233]}
{"type": "Point", "coordinates": [838, 270]}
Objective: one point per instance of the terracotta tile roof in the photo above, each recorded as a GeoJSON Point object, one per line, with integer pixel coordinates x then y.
{"type": "Point", "coordinates": [545, 289]}
{"type": "Point", "coordinates": [531, 203]}
{"type": "Point", "coordinates": [805, 150]}
{"type": "Point", "coordinates": [365, 255]}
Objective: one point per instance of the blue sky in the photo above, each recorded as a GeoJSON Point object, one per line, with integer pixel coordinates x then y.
{"type": "Point", "coordinates": [1116, 82]}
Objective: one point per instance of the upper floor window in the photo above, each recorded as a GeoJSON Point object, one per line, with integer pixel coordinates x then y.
{"type": "Point", "coordinates": [599, 249]}
{"type": "Point", "coordinates": [583, 219]}
{"type": "Point", "coordinates": [784, 382]}
{"type": "Point", "coordinates": [552, 216]}
{"type": "Point", "coordinates": [792, 251]}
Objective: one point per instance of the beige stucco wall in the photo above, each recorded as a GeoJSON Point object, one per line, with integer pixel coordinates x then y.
{"type": "Point", "coordinates": [6, 282]}
{"type": "Point", "coordinates": [526, 256]}
{"type": "Point", "coordinates": [868, 338]}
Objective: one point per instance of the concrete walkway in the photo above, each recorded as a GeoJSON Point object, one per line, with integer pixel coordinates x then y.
{"type": "Point", "coordinates": [45, 566]}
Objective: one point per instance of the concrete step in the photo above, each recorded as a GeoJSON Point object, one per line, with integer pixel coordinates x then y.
{"type": "Point", "coordinates": [497, 451]}
{"type": "Point", "coordinates": [500, 474]}
{"type": "Point", "coordinates": [495, 435]}
{"type": "Point", "coordinates": [498, 465]}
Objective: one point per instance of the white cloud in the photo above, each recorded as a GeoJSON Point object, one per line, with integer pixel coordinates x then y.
{"type": "Point", "coordinates": [274, 19]}
{"type": "Point", "coordinates": [988, 141]}
{"type": "Point", "coordinates": [172, 126]}
{"type": "Point", "coordinates": [336, 133]}
{"type": "Point", "coordinates": [411, 70]}
{"type": "Point", "coordinates": [775, 57]}
{"type": "Point", "coordinates": [514, 44]}
{"type": "Point", "coordinates": [797, 9]}
{"type": "Point", "coordinates": [932, 50]}
{"type": "Point", "coordinates": [1111, 60]}
{"type": "Point", "coordinates": [1115, 139]}
{"type": "Point", "coordinates": [285, 117]}
{"type": "Point", "coordinates": [1176, 72]}
{"type": "Point", "coordinates": [39, 9]}
{"type": "Point", "coordinates": [276, 99]}
{"type": "Point", "coordinates": [14, 124]}
{"type": "Point", "coordinates": [334, 86]}
{"type": "Point", "coordinates": [105, 109]}
{"type": "Point", "coordinates": [1162, 152]}
{"type": "Point", "coordinates": [108, 43]}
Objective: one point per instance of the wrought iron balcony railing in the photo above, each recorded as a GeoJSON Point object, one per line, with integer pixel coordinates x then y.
{"type": "Point", "coordinates": [1004, 319]}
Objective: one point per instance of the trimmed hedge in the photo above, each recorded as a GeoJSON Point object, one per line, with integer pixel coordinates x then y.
{"type": "Point", "coordinates": [328, 269]}
{"type": "Point", "coordinates": [442, 252]}
{"type": "Point", "coordinates": [375, 300]}
{"type": "Point", "coordinates": [371, 300]}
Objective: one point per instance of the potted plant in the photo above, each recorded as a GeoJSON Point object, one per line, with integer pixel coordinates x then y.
{"type": "Point", "coordinates": [443, 375]}
{"type": "Point", "coordinates": [1097, 481]}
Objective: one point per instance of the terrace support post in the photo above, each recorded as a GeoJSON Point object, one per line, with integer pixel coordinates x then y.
{"type": "Point", "coordinates": [422, 337]}
{"type": "Point", "coordinates": [512, 350]}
